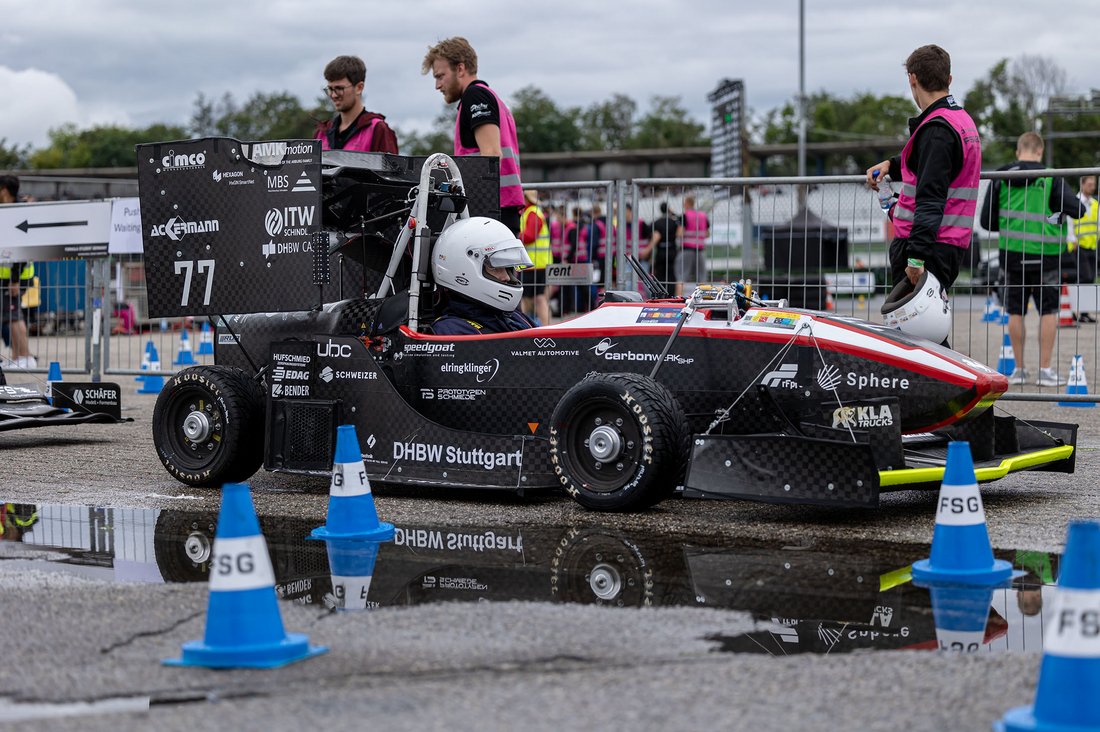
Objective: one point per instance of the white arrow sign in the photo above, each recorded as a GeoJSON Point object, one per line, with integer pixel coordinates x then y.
{"type": "Point", "coordinates": [54, 229]}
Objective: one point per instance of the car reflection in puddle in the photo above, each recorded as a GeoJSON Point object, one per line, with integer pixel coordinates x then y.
{"type": "Point", "coordinates": [828, 597]}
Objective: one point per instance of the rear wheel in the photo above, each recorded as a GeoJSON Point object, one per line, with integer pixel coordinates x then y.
{"type": "Point", "coordinates": [208, 425]}
{"type": "Point", "coordinates": [618, 441]}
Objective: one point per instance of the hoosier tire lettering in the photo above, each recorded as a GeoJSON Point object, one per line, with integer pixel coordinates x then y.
{"type": "Point", "coordinates": [208, 425]}
{"type": "Point", "coordinates": [617, 442]}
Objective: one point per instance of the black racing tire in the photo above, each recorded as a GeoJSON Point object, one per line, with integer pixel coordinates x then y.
{"type": "Point", "coordinates": [601, 567]}
{"type": "Point", "coordinates": [208, 426]}
{"type": "Point", "coordinates": [183, 544]}
{"type": "Point", "coordinates": [618, 442]}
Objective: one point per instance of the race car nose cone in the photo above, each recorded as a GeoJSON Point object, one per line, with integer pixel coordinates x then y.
{"type": "Point", "coordinates": [604, 443]}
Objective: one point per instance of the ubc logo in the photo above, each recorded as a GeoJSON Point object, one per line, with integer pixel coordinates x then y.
{"type": "Point", "coordinates": [334, 350]}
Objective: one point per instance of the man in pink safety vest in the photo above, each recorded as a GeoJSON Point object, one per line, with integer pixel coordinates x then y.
{"type": "Point", "coordinates": [484, 125]}
{"type": "Point", "coordinates": [939, 169]}
{"type": "Point", "coordinates": [353, 127]}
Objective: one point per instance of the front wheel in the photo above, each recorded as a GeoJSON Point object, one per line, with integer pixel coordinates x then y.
{"type": "Point", "coordinates": [208, 425]}
{"type": "Point", "coordinates": [618, 441]}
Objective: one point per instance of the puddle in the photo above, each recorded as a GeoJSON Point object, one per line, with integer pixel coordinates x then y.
{"type": "Point", "coordinates": [826, 597]}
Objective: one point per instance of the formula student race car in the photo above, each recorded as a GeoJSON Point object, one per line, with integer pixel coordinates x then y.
{"type": "Point", "coordinates": [719, 394]}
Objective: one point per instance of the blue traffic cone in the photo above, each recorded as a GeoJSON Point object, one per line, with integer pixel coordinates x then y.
{"type": "Point", "coordinates": [243, 624]}
{"type": "Point", "coordinates": [185, 356]}
{"type": "Point", "coordinates": [1069, 676]}
{"type": "Point", "coordinates": [1006, 364]}
{"type": "Point", "coordinates": [145, 359]}
{"type": "Point", "coordinates": [1077, 383]}
{"type": "Point", "coordinates": [152, 383]}
{"type": "Point", "coordinates": [54, 374]}
{"type": "Point", "coordinates": [961, 552]}
{"type": "Point", "coordinates": [992, 312]}
{"type": "Point", "coordinates": [351, 562]}
{"type": "Point", "coordinates": [206, 340]}
{"type": "Point", "coordinates": [351, 511]}
{"type": "Point", "coordinates": [961, 614]}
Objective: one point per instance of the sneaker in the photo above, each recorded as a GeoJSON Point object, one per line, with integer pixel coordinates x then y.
{"type": "Point", "coordinates": [1019, 376]}
{"type": "Point", "coordinates": [1049, 377]}
{"type": "Point", "coordinates": [26, 362]}
{"type": "Point", "coordinates": [1086, 318]}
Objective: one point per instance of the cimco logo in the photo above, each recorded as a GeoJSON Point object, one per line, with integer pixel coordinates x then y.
{"type": "Point", "coordinates": [191, 161]}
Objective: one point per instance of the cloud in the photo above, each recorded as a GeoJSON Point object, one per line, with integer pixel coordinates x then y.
{"type": "Point", "coordinates": [34, 102]}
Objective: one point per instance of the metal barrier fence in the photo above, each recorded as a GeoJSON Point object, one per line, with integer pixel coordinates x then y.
{"type": "Point", "coordinates": [820, 242]}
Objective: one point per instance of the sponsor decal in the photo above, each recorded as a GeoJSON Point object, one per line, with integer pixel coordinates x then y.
{"type": "Point", "coordinates": [829, 378]}
{"type": "Point", "coordinates": [176, 228]}
{"type": "Point", "coordinates": [459, 395]}
{"type": "Point", "coordinates": [478, 111]}
{"type": "Point", "coordinates": [426, 452]}
{"type": "Point", "coordinates": [430, 349]}
{"type": "Point", "coordinates": [289, 220]}
{"type": "Point", "coordinates": [883, 615]}
{"type": "Point", "coordinates": [303, 184]}
{"type": "Point", "coordinates": [278, 183]}
{"type": "Point", "coordinates": [863, 417]}
{"type": "Point", "coordinates": [183, 161]}
{"type": "Point", "coordinates": [605, 349]}
{"type": "Point", "coordinates": [95, 396]}
{"type": "Point", "coordinates": [427, 393]}
{"type": "Point", "coordinates": [227, 339]}
{"type": "Point", "coordinates": [773, 319]}
{"type": "Point", "coordinates": [453, 583]}
{"type": "Point", "coordinates": [784, 377]}
{"type": "Point", "coordinates": [289, 390]}
{"type": "Point", "coordinates": [298, 358]}
{"type": "Point", "coordinates": [546, 350]}
{"type": "Point", "coordinates": [328, 374]}
{"type": "Point", "coordinates": [282, 373]}
{"type": "Point", "coordinates": [333, 350]}
{"type": "Point", "coordinates": [227, 176]}
{"type": "Point", "coordinates": [273, 153]}
{"type": "Point", "coordinates": [482, 541]}
{"type": "Point", "coordinates": [658, 315]}
{"type": "Point", "coordinates": [545, 343]}
{"type": "Point", "coordinates": [875, 381]}
{"type": "Point", "coordinates": [485, 371]}
{"type": "Point", "coordinates": [286, 247]}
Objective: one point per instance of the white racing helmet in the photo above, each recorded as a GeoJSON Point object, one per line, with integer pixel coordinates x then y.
{"type": "Point", "coordinates": [921, 311]}
{"type": "Point", "coordinates": [462, 251]}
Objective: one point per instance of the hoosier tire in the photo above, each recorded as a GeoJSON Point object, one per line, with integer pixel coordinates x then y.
{"type": "Point", "coordinates": [618, 442]}
{"type": "Point", "coordinates": [208, 426]}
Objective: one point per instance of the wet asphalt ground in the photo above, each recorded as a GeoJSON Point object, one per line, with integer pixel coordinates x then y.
{"type": "Point", "coordinates": [81, 652]}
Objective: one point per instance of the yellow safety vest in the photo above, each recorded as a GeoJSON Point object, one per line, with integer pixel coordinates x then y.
{"type": "Point", "coordinates": [27, 272]}
{"type": "Point", "coordinates": [1084, 228]}
{"type": "Point", "coordinates": [539, 250]}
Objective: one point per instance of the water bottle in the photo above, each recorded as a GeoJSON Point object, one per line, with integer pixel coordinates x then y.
{"type": "Point", "coordinates": [886, 195]}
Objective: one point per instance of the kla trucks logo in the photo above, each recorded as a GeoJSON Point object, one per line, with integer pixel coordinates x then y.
{"type": "Point", "coordinates": [289, 221]}
{"type": "Point", "coordinates": [176, 228]}
{"type": "Point", "coordinates": [863, 417]}
{"type": "Point", "coordinates": [183, 161]}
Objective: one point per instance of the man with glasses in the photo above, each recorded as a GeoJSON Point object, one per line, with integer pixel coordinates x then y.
{"type": "Point", "coordinates": [353, 127]}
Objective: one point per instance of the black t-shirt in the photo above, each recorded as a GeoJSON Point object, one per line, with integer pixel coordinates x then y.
{"type": "Point", "coordinates": [478, 107]}
{"type": "Point", "coordinates": [666, 227]}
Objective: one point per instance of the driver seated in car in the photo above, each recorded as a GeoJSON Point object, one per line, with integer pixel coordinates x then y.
{"type": "Point", "coordinates": [475, 263]}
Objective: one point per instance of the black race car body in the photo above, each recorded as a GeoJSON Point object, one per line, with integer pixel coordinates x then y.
{"type": "Point", "coordinates": [719, 392]}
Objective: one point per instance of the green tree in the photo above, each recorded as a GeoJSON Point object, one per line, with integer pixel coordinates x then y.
{"type": "Point", "coordinates": [542, 126]}
{"type": "Point", "coordinates": [865, 116]}
{"type": "Point", "coordinates": [440, 138]}
{"type": "Point", "coordinates": [13, 157]}
{"type": "Point", "coordinates": [102, 146]}
{"type": "Point", "coordinates": [665, 125]}
{"type": "Point", "coordinates": [1011, 100]}
{"type": "Point", "coordinates": [608, 125]}
{"type": "Point", "coordinates": [276, 116]}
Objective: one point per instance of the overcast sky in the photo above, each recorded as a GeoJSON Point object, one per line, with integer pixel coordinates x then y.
{"type": "Point", "coordinates": [136, 63]}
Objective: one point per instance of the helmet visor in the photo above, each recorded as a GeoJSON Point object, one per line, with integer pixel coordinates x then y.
{"type": "Point", "coordinates": [510, 257]}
